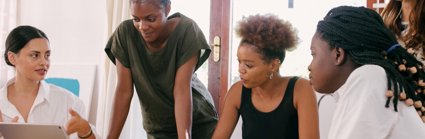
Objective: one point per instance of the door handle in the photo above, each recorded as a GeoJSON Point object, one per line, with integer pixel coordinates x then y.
{"type": "Point", "coordinates": [216, 48]}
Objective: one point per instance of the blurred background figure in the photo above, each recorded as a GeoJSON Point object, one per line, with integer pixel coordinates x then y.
{"type": "Point", "coordinates": [406, 18]}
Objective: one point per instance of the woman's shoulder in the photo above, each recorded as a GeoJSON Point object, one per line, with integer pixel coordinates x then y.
{"type": "Point", "coordinates": [236, 87]}
{"type": "Point", "coordinates": [235, 93]}
{"type": "Point", "coordinates": [61, 95]}
{"type": "Point", "coordinates": [298, 82]}
{"type": "Point", "coordinates": [184, 22]}
{"type": "Point", "coordinates": [368, 73]}
{"type": "Point", "coordinates": [126, 23]}
{"type": "Point", "coordinates": [59, 92]}
{"type": "Point", "coordinates": [124, 27]}
{"type": "Point", "coordinates": [302, 87]}
{"type": "Point", "coordinates": [365, 81]}
{"type": "Point", "coordinates": [297, 79]}
{"type": "Point", "coordinates": [181, 17]}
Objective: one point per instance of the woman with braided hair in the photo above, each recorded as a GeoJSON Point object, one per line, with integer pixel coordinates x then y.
{"type": "Point", "coordinates": [377, 85]}
{"type": "Point", "coordinates": [406, 18]}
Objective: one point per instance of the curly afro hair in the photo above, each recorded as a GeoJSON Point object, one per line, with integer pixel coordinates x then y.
{"type": "Point", "coordinates": [269, 34]}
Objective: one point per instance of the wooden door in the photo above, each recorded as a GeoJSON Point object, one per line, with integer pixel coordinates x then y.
{"type": "Point", "coordinates": [219, 59]}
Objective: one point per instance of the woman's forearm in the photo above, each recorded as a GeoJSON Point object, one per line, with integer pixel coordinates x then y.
{"type": "Point", "coordinates": [120, 110]}
{"type": "Point", "coordinates": [183, 114]}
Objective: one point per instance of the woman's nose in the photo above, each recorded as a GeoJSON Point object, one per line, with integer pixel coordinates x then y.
{"type": "Point", "coordinates": [241, 69]}
{"type": "Point", "coordinates": [142, 26]}
{"type": "Point", "coordinates": [44, 61]}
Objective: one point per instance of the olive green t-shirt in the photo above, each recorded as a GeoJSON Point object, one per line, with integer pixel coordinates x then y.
{"type": "Point", "coordinates": [153, 73]}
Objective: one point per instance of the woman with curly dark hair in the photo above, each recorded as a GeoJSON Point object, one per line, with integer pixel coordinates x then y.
{"type": "Point", "coordinates": [271, 105]}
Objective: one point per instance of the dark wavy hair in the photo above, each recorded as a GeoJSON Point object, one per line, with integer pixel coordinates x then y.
{"type": "Point", "coordinates": [269, 34]}
{"type": "Point", "coordinates": [19, 37]}
{"type": "Point", "coordinates": [416, 31]}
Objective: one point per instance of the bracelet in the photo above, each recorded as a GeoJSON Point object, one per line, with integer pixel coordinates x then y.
{"type": "Point", "coordinates": [87, 135]}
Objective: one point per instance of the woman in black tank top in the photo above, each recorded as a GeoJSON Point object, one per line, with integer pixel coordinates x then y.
{"type": "Point", "coordinates": [271, 106]}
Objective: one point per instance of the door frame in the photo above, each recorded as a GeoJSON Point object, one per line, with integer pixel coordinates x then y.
{"type": "Point", "coordinates": [218, 72]}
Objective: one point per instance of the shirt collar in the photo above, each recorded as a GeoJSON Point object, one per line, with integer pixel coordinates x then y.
{"type": "Point", "coordinates": [7, 108]}
{"type": "Point", "coordinates": [337, 94]}
{"type": "Point", "coordinates": [43, 93]}
{"type": "Point", "coordinates": [354, 77]}
{"type": "Point", "coordinates": [341, 91]}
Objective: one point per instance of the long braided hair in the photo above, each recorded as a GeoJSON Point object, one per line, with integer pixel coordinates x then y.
{"type": "Point", "coordinates": [362, 34]}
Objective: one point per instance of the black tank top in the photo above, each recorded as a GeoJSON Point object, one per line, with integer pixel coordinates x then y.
{"type": "Point", "coordinates": [281, 123]}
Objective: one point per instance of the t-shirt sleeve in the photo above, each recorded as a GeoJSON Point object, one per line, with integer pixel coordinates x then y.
{"type": "Point", "coordinates": [117, 46]}
{"type": "Point", "coordinates": [193, 42]}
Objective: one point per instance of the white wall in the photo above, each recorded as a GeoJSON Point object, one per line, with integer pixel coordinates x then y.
{"type": "Point", "coordinates": [76, 30]}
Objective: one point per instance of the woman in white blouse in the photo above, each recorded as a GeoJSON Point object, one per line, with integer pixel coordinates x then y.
{"type": "Point", "coordinates": [27, 98]}
{"type": "Point", "coordinates": [378, 87]}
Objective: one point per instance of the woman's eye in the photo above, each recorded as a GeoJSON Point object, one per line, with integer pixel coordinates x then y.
{"type": "Point", "coordinates": [151, 19]}
{"type": "Point", "coordinates": [136, 20]}
{"type": "Point", "coordinates": [248, 66]}
{"type": "Point", "coordinates": [34, 55]}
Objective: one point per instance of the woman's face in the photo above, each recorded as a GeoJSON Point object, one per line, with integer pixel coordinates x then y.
{"type": "Point", "coordinates": [32, 62]}
{"type": "Point", "coordinates": [322, 67]}
{"type": "Point", "coordinates": [253, 70]}
{"type": "Point", "coordinates": [149, 18]}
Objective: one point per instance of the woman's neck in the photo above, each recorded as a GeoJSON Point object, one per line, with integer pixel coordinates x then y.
{"type": "Point", "coordinates": [169, 27]}
{"type": "Point", "coordinates": [24, 87]}
{"type": "Point", "coordinates": [270, 87]}
{"type": "Point", "coordinates": [161, 41]}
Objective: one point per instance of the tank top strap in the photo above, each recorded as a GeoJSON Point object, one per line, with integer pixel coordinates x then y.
{"type": "Point", "coordinates": [245, 97]}
{"type": "Point", "coordinates": [289, 94]}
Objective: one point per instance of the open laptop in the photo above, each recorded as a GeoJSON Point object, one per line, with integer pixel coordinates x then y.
{"type": "Point", "coordinates": [32, 131]}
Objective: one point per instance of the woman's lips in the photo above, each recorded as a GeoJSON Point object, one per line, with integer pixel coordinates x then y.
{"type": "Point", "coordinates": [41, 72]}
{"type": "Point", "coordinates": [243, 80]}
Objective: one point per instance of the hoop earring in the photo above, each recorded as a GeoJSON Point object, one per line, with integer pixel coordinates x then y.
{"type": "Point", "coordinates": [271, 76]}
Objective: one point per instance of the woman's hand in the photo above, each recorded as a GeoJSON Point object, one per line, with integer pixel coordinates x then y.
{"type": "Point", "coordinates": [77, 124]}
{"type": "Point", "coordinates": [14, 120]}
